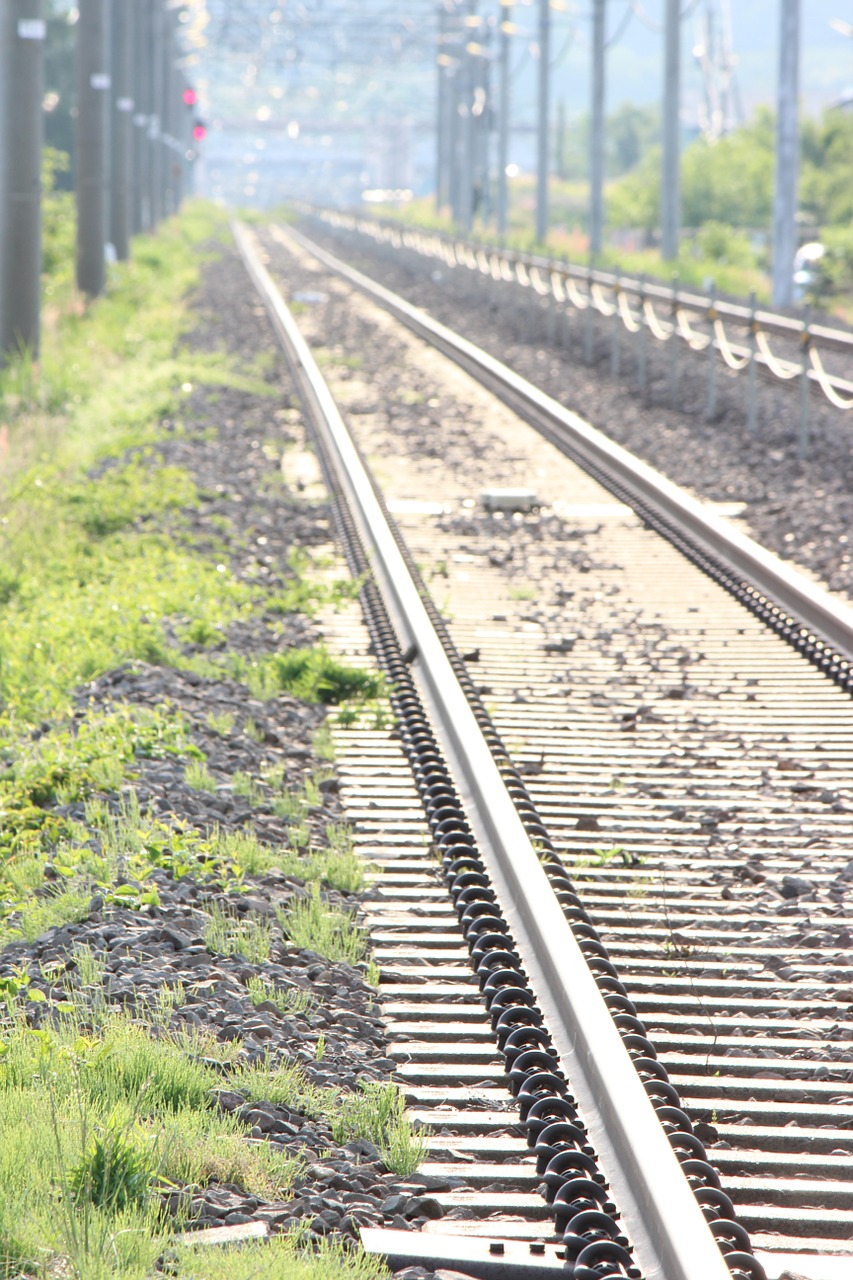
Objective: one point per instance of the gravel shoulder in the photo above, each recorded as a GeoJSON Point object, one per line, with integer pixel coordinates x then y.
{"type": "Point", "coordinates": [154, 958]}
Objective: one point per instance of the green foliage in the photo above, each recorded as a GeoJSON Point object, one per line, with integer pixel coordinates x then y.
{"type": "Point", "coordinates": [827, 161]}
{"type": "Point", "coordinates": [314, 675]}
{"type": "Point", "coordinates": [718, 243]}
{"type": "Point", "coordinates": [58, 220]}
{"type": "Point", "coordinates": [837, 265]}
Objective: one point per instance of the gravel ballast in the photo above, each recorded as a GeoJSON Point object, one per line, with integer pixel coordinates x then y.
{"type": "Point", "coordinates": [800, 508]}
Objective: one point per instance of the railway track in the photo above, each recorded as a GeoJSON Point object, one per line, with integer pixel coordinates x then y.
{"type": "Point", "coordinates": [682, 777]}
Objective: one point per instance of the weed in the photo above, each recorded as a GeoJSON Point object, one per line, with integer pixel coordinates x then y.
{"type": "Point", "coordinates": [221, 722]}
{"type": "Point", "coordinates": [198, 776]}
{"type": "Point", "coordinates": [314, 675]}
{"type": "Point", "coordinates": [117, 1167]}
{"type": "Point", "coordinates": [252, 731]}
{"type": "Point", "coordinates": [378, 1112]}
{"type": "Point", "coordinates": [288, 1001]}
{"type": "Point", "coordinates": [314, 925]}
{"type": "Point", "coordinates": [323, 743]}
{"type": "Point", "coordinates": [228, 934]}
{"type": "Point", "coordinates": [246, 786]}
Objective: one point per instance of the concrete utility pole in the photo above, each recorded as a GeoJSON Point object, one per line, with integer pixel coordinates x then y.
{"type": "Point", "coordinates": [466, 186]}
{"type": "Point", "coordinates": [543, 138]}
{"type": "Point", "coordinates": [165, 54]}
{"type": "Point", "coordinates": [482, 126]}
{"type": "Point", "coordinates": [142, 109]}
{"type": "Point", "coordinates": [155, 44]}
{"type": "Point", "coordinates": [93, 122]}
{"type": "Point", "coordinates": [22, 32]}
{"type": "Point", "coordinates": [441, 110]}
{"type": "Point", "coordinates": [670, 201]}
{"type": "Point", "coordinates": [121, 132]}
{"type": "Point", "coordinates": [596, 133]}
{"type": "Point", "coordinates": [503, 118]}
{"type": "Point", "coordinates": [787, 155]}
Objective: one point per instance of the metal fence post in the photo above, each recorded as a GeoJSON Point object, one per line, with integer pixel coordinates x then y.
{"type": "Point", "coordinates": [711, 406]}
{"type": "Point", "coordinates": [642, 336]}
{"type": "Point", "coordinates": [615, 353]}
{"type": "Point", "coordinates": [551, 331]}
{"type": "Point", "coordinates": [587, 336]}
{"type": "Point", "coordinates": [805, 343]}
{"type": "Point", "coordinates": [673, 355]}
{"type": "Point", "coordinates": [752, 373]}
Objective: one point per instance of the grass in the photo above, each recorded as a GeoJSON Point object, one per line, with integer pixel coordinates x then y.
{"type": "Point", "coordinates": [287, 1001]}
{"type": "Point", "coordinates": [378, 1112]}
{"type": "Point", "coordinates": [228, 934]}
{"type": "Point", "coordinates": [282, 1258]}
{"type": "Point", "coordinates": [314, 924]}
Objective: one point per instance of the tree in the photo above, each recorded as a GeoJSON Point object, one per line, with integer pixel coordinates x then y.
{"type": "Point", "coordinates": [630, 132]}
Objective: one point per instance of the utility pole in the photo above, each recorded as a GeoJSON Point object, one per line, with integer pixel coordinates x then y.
{"type": "Point", "coordinates": [542, 125]}
{"type": "Point", "coordinates": [503, 118]}
{"type": "Point", "coordinates": [482, 108]}
{"type": "Point", "coordinates": [121, 132]}
{"type": "Point", "coordinates": [596, 133]}
{"type": "Point", "coordinates": [166, 57]}
{"type": "Point", "coordinates": [466, 185]}
{"type": "Point", "coordinates": [155, 44]}
{"type": "Point", "coordinates": [22, 32]}
{"type": "Point", "coordinates": [787, 155]}
{"type": "Point", "coordinates": [441, 62]}
{"type": "Point", "coordinates": [670, 201]}
{"type": "Point", "coordinates": [142, 109]}
{"type": "Point", "coordinates": [93, 101]}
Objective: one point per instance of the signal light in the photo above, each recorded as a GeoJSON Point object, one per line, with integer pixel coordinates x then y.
{"type": "Point", "coordinates": [190, 97]}
{"type": "Point", "coordinates": [199, 131]}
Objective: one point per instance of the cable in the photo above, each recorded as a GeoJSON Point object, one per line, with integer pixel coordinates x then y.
{"type": "Point", "coordinates": [621, 28]}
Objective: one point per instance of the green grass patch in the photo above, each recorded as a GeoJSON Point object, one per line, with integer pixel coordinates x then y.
{"type": "Point", "coordinates": [283, 1258]}
{"type": "Point", "coordinates": [227, 934]}
{"type": "Point", "coordinates": [316, 925]}
{"type": "Point", "coordinates": [377, 1112]}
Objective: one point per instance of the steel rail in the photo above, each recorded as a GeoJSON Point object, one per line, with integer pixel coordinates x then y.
{"type": "Point", "coordinates": [671, 1238]}
{"type": "Point", "coordinates": [779, 583]}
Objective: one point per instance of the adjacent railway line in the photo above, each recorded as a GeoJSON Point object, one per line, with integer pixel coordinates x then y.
{"type": "Point", "coordinates": [634, 768]}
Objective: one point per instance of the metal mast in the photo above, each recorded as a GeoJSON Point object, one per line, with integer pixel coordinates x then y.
{"type": "Point", "coordinates": [542, 126]}
{"type": "Point", "coordinates": [596, 135]}
{"type": "Point", "coordinates": [22, 32]}
{"type": "Point", "coordinates": [787, 155]}
{"type": "Point", "coordinates": [671, 177]}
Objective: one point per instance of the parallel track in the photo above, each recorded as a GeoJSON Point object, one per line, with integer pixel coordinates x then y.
{"type": "Point", "coordinates": [691, 970]}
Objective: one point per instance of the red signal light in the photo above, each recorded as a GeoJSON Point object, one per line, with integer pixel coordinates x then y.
{"type": "Point", "coordinates": [190, 97]}
{"type": "Point", "coordinates": [199, 131]}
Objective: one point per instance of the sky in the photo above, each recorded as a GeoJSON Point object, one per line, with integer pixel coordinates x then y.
{"type": "Point", "coordinates": [634, 63]}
